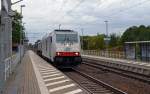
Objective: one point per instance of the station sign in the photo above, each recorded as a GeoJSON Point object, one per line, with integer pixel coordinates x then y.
{"type": "Point", "coordinates": [107, 40]}
{"type": "Point", "coordinates": [26, 40]}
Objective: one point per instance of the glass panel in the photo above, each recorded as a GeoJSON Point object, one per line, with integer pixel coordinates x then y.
{"type": "Point", "coordinates": [61, 38]}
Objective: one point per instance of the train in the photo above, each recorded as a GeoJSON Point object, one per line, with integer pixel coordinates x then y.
{"type": "Point", "coordinates": [61, 47]}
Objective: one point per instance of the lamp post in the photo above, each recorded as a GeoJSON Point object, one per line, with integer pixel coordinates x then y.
{"type": "Point", "coordinates": [107, 39]}
{"type": "Point", "coordinates": [82, 37]}
{"type": "Point", "coordinates": [21, 7]}
{"type": "Point", "coordinates": [106, 22]}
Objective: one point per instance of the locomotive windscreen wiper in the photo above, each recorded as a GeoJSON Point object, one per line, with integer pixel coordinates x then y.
{"type": "Point", "coordinates": [64, 38]}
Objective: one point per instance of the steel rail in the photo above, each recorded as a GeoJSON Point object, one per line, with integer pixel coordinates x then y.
{"type": "Point", "coordinates": [140, 77]}
{"type": "Point", "coordinates": [105, 85]}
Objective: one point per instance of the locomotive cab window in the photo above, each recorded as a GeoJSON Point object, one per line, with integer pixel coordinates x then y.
{"type": "Point", "coordinates": [61, 38]}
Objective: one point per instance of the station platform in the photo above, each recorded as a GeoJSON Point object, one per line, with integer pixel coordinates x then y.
{"type": "Point", "coordinates": [129, 65]}
{"type": "Point", "coordinates": [36, 76]}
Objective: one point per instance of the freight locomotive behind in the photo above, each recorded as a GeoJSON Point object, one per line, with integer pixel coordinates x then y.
{"type": "Point", "coordinates": [62, 47]}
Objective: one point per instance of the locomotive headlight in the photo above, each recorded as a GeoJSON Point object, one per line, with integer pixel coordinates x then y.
{"type": "Point", "coordinates": [57, 53]}
{"type": "Point", "coordinates": [76, 53]}
{"type": "Point", "coordinates": [67, 45]}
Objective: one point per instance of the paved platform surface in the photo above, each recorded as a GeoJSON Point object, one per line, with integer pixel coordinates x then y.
{"type": "Point", "coordinates": [36, 76]}
{"type": "Point", "coordinates": [23, 80]}
{"type": "Point", "coordinates": [134, 66]}
{"type": "Point", "coordinates": [121, 60]}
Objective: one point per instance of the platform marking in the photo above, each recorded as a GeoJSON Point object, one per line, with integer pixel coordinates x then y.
{"type": "Point", "coordinates": [128, 62]}
{"type": "Point", "coordinates": [148, 65]}
{"type": "Point", "coordinates": [56, 78]}
{"type": "Point", "coordinates": [51, 75]}
{"type": "Point", "coordinates": [47, 69]}
{"type": "Point", "coordinates": [74, 91]}
{"type": "Point", "coordinates": [61, 87]}
{"type": "Point", "coordinates": [58, 82]}
{"type": "Point", "coordinates": [41, 84]}
{"type": "Point", "coordinates": [44, 67]}
{"type": "Point", "coordinates": [142, 64]}
{"type": "Point", "coordinates": [135, 62]}
{"type": "Point", "coordinates": [48, 73]}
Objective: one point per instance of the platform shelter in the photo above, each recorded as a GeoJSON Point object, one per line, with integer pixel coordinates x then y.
{"type": "Point", "coordinates": [138, 50]}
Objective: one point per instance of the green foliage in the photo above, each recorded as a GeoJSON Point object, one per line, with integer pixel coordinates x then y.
{"type": "Point", "coordinates": [97, 42]}
{"type": "Point", "coordinates": [114, 40]}
{"type": "Point", "coordinates": [134, 33]}
{"type": "Point", "coordinates": [93, 42]}
{"type": "Point", "coordinates": [17, 28]}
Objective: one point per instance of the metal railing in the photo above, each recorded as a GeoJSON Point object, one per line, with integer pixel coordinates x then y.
{"type": "Point", "coordinates": [8, 66]}
{"type": "Point", "coordinates": [112, 54]}
{"type": "Point", "coordinates": [102, 53]}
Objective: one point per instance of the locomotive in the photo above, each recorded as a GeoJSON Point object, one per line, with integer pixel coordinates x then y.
{"type": "Point", "coordinates": [62, 47]}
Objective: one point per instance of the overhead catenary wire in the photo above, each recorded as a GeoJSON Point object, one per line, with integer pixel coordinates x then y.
{"type": "Point", "coordinates": [128, 8]}
{"type": "Point", "coordinates": [109, 16]}
{"type": "Point", "coordinates": [33, 36]}
{"type": "Point", "coordinates": [72, 9]}
{"type": "Point", "coordinates": [113, 15]}
{"type": "Point", "coordinates": [64, 2]}
{"type": "Point", "coordinates": [76, 6]}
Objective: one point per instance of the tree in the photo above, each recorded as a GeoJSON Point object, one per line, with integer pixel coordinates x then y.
{"type": "Point", "coordinates": [100, 41]}
{"type": "Point", "coordinates": [93, 42]}
{"type": "Point", "coordinates": [17, 28]}
{"type": "Point", "coordinates": [134, 33]}
{"type": "Point", "coordinates": [114, 40]}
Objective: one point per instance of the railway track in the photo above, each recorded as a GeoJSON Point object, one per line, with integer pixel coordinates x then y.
{"type": "Point", "coordinates": [127, 81]}
{"type": "Point", "coordinates": [140, 77]}
{"type": "Point", "coordinates": [91, 84]}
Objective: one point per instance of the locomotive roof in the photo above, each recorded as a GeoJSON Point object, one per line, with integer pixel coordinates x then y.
{"type": "Point", "coordinates": [63, 30]}
{"type": "Point", "coordinates": [57, 30]}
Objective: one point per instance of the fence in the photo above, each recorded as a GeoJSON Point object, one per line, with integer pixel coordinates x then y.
{"type": "Point", "coordinates": [109, 54]}
{"type": "Point", "coordinates": [9, 66]}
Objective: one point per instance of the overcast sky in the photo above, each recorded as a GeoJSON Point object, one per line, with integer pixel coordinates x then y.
{"type": "Point", "coordinates": [43, 16]}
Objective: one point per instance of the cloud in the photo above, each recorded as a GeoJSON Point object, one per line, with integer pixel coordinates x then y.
{"type": "Point", "coordinates": [46, 15]}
